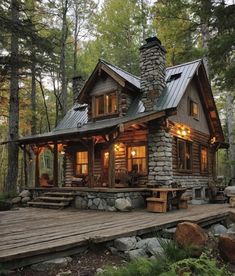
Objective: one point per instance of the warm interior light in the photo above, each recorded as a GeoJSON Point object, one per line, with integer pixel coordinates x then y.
{"type": "Point", "coordinates": [106, 155]}
{"type": "Point", "coordinates": [133, 152]}
{"type": "Point", "coordinates": [62, 152]}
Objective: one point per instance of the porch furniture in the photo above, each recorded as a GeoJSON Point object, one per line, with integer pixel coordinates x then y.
{"type": "Point", "coordinates": [79, 181]}
{"type": "Point", "coordinates": [45, 181]}
{"type": "Point", "coordinates": [163, 199]}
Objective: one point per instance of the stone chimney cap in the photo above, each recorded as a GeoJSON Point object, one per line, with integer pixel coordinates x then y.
{"type": "Point", "coordinates": [153, 41]}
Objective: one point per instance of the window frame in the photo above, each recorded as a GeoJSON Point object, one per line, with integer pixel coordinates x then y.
{"type": "Point", "coordinates": [76, 163]}
{"type": "Point", "coordinates": [106, 113]}
{"type": "Point", "coordinates": [191, 113]}
{"type": "Point", "coordinates": [146, 157]}
{"type": "Point", "coordinates": [185, 160]}
{"type": "Point", "coordinates": [207, 159]}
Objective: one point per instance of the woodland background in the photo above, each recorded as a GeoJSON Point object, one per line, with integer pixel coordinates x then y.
{"type": "Point", "coordinates": [45, 43]}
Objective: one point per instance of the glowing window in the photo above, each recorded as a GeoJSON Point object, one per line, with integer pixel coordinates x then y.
{"type": "Point", "coordinates": [184, 153]}
{"type": "Point", "coordinates": [204, 159]}
{"type": "Point", "coordinates": [194, 109]}
{"type": "Point", "coordinates": [137, 159]}
{"type": "Point", "coordinates": [106, 104]}
{"type": "Point", "coordinates": [81, 162]}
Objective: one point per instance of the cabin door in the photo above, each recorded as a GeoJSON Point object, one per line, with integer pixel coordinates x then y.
{"type": "Point", "coordinates": [105, 166]}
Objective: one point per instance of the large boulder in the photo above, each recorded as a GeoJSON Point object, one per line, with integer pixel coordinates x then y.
{"type": "Point", "coordinates": [125, 244]}
{"type": "Point", "coordinates": [151, 245]}
{"type": "Point", "coordinates": [25, 193]}
{"type": "Point", "coordinates": [25, 199]}
{"type": "Point", "coordinates": [226, 247]}
{"type": "Point", "coordinates": [123, 204]}
{"type": "Point", "coordinates": [16, 200]}
{"type": "Point", "coordinates": [136, 254]}
{"type": "Point", "coordinates": [229, 191]}
{"type": "Point", "coordinates": [191, 235]}
{"type": "Point", "coordinates": [231, 229]}
{"type": "Point", "coordinates": [218, 229]}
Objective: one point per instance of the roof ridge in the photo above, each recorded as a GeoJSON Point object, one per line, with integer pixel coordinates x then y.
{"type": "Point", "coordinates": [137, 77]}
{"type": "Point", "coordinates": [186, 63]}
{"type": "Point", "coordinates": [104, 61]}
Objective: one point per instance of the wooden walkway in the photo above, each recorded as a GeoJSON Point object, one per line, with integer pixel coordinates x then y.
{"type": "Point", "coordinates": [32, 234]}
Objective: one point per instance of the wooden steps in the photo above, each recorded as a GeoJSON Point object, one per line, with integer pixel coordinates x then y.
{"type": "Point", "coordinates": [55, 200]}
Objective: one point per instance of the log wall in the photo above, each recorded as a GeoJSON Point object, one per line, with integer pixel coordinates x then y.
{"type": "Point", "coordinates": [195, 177]}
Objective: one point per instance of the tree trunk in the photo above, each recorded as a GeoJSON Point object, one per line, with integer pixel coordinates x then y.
{"type": "Point", "coordinates": [231, 133]}
{"type": "Point", "coordinates": [33, 95]}
{"type": "Point", "coordinates": [63, 61]}
{"type": "Point", "coordinates": [13, 150]}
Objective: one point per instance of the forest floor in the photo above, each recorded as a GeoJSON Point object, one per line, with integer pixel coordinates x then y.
{"type": "Point", "coordinates": [82, 264]}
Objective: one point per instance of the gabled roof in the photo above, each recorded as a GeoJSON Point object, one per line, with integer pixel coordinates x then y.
{"type": "Point", "coordinates": [177, 80]}
{"type": "Point", "coordinates": [176, 87]}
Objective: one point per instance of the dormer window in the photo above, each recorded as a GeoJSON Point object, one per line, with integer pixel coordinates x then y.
{"type": "Point", "coordinates": [105, 104]}
{"type": "Point", "coordinates": [193, 109]}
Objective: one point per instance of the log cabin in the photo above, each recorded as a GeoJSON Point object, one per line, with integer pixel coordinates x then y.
{"type": "Point", "coordinates": [126, 131]}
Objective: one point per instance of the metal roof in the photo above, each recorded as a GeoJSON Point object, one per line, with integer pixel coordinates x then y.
{"type": "Point", "coordinates": [124, 74]}
{"type": "Point", "coordinates": [76, 120]}
{"type": "Point", "coordinates": [176, 88]}
{"type": "Point", "coordinates": [75, 117]}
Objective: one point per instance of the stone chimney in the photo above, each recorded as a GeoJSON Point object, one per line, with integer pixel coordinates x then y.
{"type": "Point", "coordinates": [152, 67]}
{"type": "Point", "coordinates": [77, 86]}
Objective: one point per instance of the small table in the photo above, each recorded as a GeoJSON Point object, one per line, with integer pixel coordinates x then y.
{"type": "Point", "coordinates": [163, 198]}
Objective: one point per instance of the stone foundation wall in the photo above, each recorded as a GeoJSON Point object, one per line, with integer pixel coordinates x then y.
{"type": "Point", "coordinates": [108, 201]}
{"type": "Point", "coordinates": [160, 157]}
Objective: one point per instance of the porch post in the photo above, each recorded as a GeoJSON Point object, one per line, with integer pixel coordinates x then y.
{"type": "Point", "coordinates": [91, 157]}
{"type": "Point", "coordinates": [37, 169]}
{"type": "Point", "coordinates": [111, 171]}
{"type": "Point", "coordinates": [55, 164]}
{"type": "Point", "coordinates": [25, 168]}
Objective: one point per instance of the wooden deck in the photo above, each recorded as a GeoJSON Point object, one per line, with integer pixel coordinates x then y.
{"type": "Point", "coordinates": [30, 234]}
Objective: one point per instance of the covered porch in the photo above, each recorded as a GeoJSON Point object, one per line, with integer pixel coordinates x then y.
{"type": "Point", "coordinates": [95, 155]}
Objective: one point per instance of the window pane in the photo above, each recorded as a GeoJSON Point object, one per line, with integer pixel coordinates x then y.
{"type": "Point", "coordinates": [99, 105]}
{"type": "Point", "coordinates": [138, 151]}
{"type": "Point", "coordinates": [194, 110]}
{"type": "Point", "coordinates": [181, 155]}
{"type": "Point", "coordinates": [184, 155]}
{"type": "Point", "coordinates": [111, 103]}
{"type": "Point", "coordinates": [188, 156]}
{"type": "Point", "coordinates": [137, 159]}
{"type": "Point", "coordinates": [106, 160]}
{"type": "Point", "coordinates": [82, 162]}
{"type": "Point", "coordinates": [204, 159]}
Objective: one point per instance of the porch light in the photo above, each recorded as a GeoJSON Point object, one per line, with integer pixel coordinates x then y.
{"type": "Point", "coordinates": [182, 131]}
{"type": "Point", "coordinates": [116, 147]}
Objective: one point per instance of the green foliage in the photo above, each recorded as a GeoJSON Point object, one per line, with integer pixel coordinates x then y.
{"type": "Point", "coordinates": [203, 266]}
{"type": "Point", "coordinates": [173, 262]}
{"type": "Point", "coordinates": [172, 252]}
{"type": "Point", "coordinates": [140, 267]}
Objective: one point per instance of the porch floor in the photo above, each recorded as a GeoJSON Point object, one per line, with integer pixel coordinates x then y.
{"type": "Point", "coordinates": [29, 234]}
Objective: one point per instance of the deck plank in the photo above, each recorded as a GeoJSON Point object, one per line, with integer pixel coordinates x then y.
{"type": "Point", "coordinates": [31, 231]}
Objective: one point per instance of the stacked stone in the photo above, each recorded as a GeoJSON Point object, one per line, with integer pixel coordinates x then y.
{"type": "Point", "coordinates": [110, 201]}
{"type": "Point", "coordinates": [160, 157]}
{"type": "Point", "coordinates": [152, 64]}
